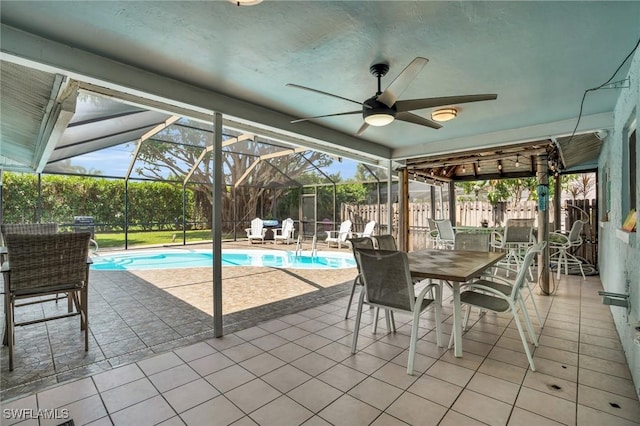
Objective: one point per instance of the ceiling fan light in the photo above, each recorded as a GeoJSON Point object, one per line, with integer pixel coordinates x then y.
{"type": "Point", "coordinates": [245, 2]}
{"type": "Point", "coordinates": [379, 119]}
{"type": "Point", "coordinates": [444, 114]}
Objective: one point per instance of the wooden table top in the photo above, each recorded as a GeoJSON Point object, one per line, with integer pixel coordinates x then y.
{"type": "Point", "coordinates": [451, 265]}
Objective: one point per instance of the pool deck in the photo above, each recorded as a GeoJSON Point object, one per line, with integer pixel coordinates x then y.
{"type": "Point", "coordinates": [134, 314]}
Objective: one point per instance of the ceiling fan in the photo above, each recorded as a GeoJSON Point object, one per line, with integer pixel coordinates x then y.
{"type": "Point", "coordinates": [384, 107]}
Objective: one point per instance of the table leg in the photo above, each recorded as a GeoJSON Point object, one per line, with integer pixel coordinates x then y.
{"type": "Point", "coordinates": [457, 319]}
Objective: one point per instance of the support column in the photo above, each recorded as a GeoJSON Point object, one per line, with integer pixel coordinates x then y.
{"type": "Point", "coordinates": [403, 210]}
{"type": "Point", "coordinates": [452, 203]}
{"type": "Point", "coordinates": [184, 214]}
{"type": "Point", "coordinates": [217, 225]}
{"type": "Point", "coordinates": [557, 204]}
{"type": "Point", "coordinates": [542, 175]}
{"type": "Point", "coordinates": [389, 198]}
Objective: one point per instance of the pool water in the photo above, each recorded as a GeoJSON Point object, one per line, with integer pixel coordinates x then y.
{"type": "Point", "coordinates": [171, 259]}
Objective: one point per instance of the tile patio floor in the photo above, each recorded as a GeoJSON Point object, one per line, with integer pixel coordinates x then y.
{"type": "Point", "coordinates": [290, 364]}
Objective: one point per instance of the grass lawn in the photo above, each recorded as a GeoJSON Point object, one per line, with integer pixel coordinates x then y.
{"type": "Point", "coordinates": [139, 238]}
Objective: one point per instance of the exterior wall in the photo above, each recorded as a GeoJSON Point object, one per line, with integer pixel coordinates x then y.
{"type": "Point", "coordinates": [619, 256]}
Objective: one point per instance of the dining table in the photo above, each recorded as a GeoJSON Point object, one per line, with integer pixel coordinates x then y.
{"type": "Point", "coordinates": [454, 267]}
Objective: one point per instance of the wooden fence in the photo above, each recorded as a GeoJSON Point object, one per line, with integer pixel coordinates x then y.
{"type": "Point", "coordinates": [473, 213]}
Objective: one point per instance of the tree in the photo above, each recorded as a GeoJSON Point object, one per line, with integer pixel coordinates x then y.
{"type": "Point", "coordinates": [255, 194]}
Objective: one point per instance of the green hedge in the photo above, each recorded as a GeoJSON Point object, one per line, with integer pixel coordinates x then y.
{"type": "Point", "coordinates": [152, 205]}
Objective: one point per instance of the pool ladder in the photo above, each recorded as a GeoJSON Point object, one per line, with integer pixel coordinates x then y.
{"type": "Point", "coordinates": [314, 250]}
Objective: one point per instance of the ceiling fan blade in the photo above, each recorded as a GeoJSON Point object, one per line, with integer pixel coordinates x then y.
{"type": "Point", "coordinates": [326, 115]}
{"type": "Point", "coordinates": [414, 104]}
{"type": "Point", "coordinates": [297, 86]}
{"type": "Point", "coordinates": [402, 81]}
{"type": "Point", "coordinates": [362, 128]}
{"type": "Point", "coordinates": [416, 119]}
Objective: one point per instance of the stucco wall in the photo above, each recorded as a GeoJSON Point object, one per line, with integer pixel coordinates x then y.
{"type": "Point", "coordinates": [618, 259]}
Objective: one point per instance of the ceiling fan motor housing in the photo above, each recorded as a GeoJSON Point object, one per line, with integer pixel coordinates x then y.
{"type": "Point", "coordinates": [376, 113]}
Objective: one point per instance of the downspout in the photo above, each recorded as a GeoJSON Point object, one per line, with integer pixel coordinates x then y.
{"type": "Point", "coordinates": [543, 221]}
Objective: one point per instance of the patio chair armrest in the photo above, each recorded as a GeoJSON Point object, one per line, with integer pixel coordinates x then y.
{"type": "Point", "coordinates": [500, 267]}
{"type": "Point", "coordinates": [485, 289]}
{"type": "Point", "coordinates": [496, 239]}
{"type": "Point", "coordinates": [5, 267]}
{"type": "Point", "coordinates": [435, 287]}
{"type": "Point", "coordinates": [331, 233]}
{"type": "Point", "coordinates": [558, 240]}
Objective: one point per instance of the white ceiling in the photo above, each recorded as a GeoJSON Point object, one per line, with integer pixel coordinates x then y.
{"type": "Point", "coordinates": [539, 57]}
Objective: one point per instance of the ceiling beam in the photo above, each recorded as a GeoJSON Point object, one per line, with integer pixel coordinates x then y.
{"type": "Point", "coordinates": [505, 138]}
{"type": "Point", "coordinates": [155, 89]}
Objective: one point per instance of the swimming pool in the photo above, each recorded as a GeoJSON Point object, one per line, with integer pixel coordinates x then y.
{"type": "Point", "coordinates": [171, 259]}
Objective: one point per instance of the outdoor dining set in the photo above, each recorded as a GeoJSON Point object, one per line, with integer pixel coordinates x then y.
{"type": "Point", "coordinates": [410, 283]}
{"type": "Point", "coordinates": [491, 274]}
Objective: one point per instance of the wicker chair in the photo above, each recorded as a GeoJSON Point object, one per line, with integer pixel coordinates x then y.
{"type": "Point", "coordinates": [26, 228]}
{"type": "Point", "coordinates": [43, 265]}
{"type": "Point", "coordinates": [388, 286]}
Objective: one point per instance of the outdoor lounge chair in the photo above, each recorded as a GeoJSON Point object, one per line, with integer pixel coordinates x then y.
{"type": "Point", "coordinates": [368, 230]}
{"type": "Point", "coordinates": [43, 265]}
{"type": "Point", "coordinates": [516, 238]}
{"type": "Point", "coordinates": [284, 234]}
{"type": "Point", "coordinates": [446, 235]}
{"type": "Point", "coordinates": [562, 244]}
{"type": "Point", "coordinates": [257, 230]}
{"type": "Point", "coordinates": [339, 237]}
{"type": "Point", "coordinates": [388, 285]}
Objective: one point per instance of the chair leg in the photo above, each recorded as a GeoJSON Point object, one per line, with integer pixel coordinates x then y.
{"type": "Point", "coordinates": [356, 330]}
{"type": "Point", "coordinates": [523, 338]}
{"type": "Point", "coordinates": [438, 302]}
{"type": "Point", "coordinates": [375, 320]}
{"type": "Point", "coordinates": [535, 306]}
{"type": "Point", "coordinates": [353, 290]}
{"type": "Point", "coordinates": [527, 322]}
{"type": "Point", "coordinates": [412, 341]}
{"type": "Point", "coordinates": [10, 326]}
{"type": "Point", "coordinates": [393, 321]}
{"type": "Point", "coordinates": [84, 305]}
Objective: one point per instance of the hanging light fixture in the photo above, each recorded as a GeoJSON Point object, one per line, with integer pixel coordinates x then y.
{"type": "Point", "coordinates": [517, 160]}
{"type": "Point", "coordinates": [499, 166]}
{"type": "Point", "coordinates": [464, 169]}
{"type": "Point", "coordinates": [444, 114]}
{"type": "Point", "coordinates": [478, 164]}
